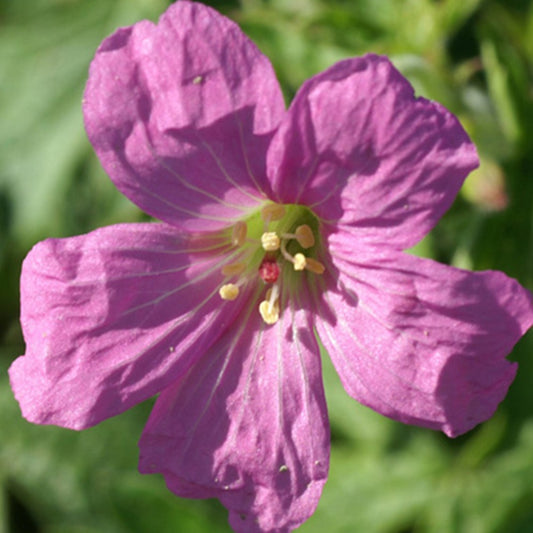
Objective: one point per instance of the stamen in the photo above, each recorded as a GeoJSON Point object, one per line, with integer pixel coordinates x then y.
{"type": "Point", "coordinates": [268, 315]}
{"type": "Point", "coordinates": [304, 236]}
{"type": "Point", "coordinates": [272, 295]}
{"type": "Point", "coordinates": [270, 241]}
{"type": "Point", "coordinates": [299, 261]}
{"type": "Point", "coordinates": [272, 212]}
{"type": "Point", "coordinates": [314, 266]}
{"type": "Point", "coordinates": [284, 252]}
{"type": "Point", "coordinates": [238, 234]}
{"type": "Point", "coordinates": [269, 308]}
{"type": "Point", "coordinates": [230, 291]}
{"type": "Point", "coordinates": [233, 269]}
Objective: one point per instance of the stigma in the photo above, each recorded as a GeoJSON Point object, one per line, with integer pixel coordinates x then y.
{"type": "Point", "coordinates": [269, 270]}
{"type": "Point", "coordinates": [268, 246]}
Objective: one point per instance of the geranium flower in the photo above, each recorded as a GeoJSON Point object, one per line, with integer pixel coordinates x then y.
{"type": "Point", "coordinates": [277, 225]}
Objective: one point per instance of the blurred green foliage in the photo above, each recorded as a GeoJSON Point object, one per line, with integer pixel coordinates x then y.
{"type": "Point", "coordinates": [475, 57]}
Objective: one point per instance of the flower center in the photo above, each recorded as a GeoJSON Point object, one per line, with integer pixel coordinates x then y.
{"type": "Point", "coordinates": [269, 245]}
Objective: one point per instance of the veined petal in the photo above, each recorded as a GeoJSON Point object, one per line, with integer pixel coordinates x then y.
{"type": "Point", "coordinates": [388, 166]}
{"type": "Point", "coordinates": [247, 425]}
{"type": "Point", "coordinates": [422, 342]}
{"type": "Point", "coordinates": [180, 115]}
{"type": "Point", "coordinates": [112, 317]}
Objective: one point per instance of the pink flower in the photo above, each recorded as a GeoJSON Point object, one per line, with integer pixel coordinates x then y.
{"type": "Point", "coordinates": [276, 225]}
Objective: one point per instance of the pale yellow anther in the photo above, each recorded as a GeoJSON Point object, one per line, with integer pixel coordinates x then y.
{"type": "Point", "coordinates": [229, 291]}
{"type": "Point", "coordinates": [270, 241]}
{"type": "Point", "coordinates": [269, 308]}
{"type": "Point", "coordinates": [314, 266]}
{"type": "Point", "coordinates": [304, 236]}
{"type": "Point", "coordinates": [272, 212]}
{"type": "Point", "coordinates": [233, 269]}
{"type": "Point", "coordinates": [270, 314]}
{"type": "Point", "coordinates": [238, 234]}
{"type": "Point", "coordinates": [299, 261]}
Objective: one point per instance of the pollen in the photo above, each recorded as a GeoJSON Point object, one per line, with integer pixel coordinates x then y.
{"type": "Point", "coordinates": [238, 234]}
{"type": "Point", "coordinates": [299, 261]}
{"type": "Point", "coordinates": [272, 212]}
{"type": "Point", "coordinates": [230, 291]}
{"type": "Point", "coordinates": [270, 241]}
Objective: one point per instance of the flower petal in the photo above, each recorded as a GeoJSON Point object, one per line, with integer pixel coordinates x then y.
{"type": "Point", "coordinates": [180, 115]}
{"type": "Point", "coordinates": [422, 342]}
{"type": "Point", "coordinates": [247, 425]}
{"type": "Point", "coordinates": [388, 166]}
{"type": "Point", "coordinates": [112, 317]}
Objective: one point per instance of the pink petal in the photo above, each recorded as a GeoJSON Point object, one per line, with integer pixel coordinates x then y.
{"type": "Point", "coordinates": [247, 425]}
{"type": "Point", "coordinates": [110, 318]}
{"type": "Point", "coordinates": [180, 115]}
{"type": "Point", "coordinates": [359, 149]}
{"type": "Point", "coordinates": [422, 342]}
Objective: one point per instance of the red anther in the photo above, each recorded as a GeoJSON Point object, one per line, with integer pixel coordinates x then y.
{"type": "Point", "coordinates": [269, 270]}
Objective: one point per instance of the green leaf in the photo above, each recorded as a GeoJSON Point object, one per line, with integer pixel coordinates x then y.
{"type": "Point", "coordinates": [47, 48]}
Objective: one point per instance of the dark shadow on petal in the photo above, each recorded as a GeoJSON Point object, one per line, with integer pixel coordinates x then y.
{"type": "Point", "coordinates": [226, 151]}
{"type": "Point", "coordinates": [118, 40]}
{"type": "Point", "coordinates": [194, 174]}
{"type": "Point", "coordinates": [144, 106]}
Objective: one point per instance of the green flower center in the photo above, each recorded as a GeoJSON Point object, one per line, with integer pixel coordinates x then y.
{"type": "Point", "coordinates": [276, 245]}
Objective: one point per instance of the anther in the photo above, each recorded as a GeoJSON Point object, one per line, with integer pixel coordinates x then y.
{"type": "Point", "coordinates": [299, 261]}
{"type": "Point", "coordinates": [272, 212]}
{"type": "Point", "coordinates": [304, 236]}
{"type": "Point", "coordinates": [269, 308]}
{"type": "Point", "coordinates": [229, 291]}
{"type": "Point", "coordinates": [238, 234]}
{"type": "Point", "coordinates": [314, 266]}
{"type": "Point", "coordinates": [233, 269]}
{"type": "Point", "coordinates": [268, 314]}
{"type": "Point", "coordinates": [270, 241]}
